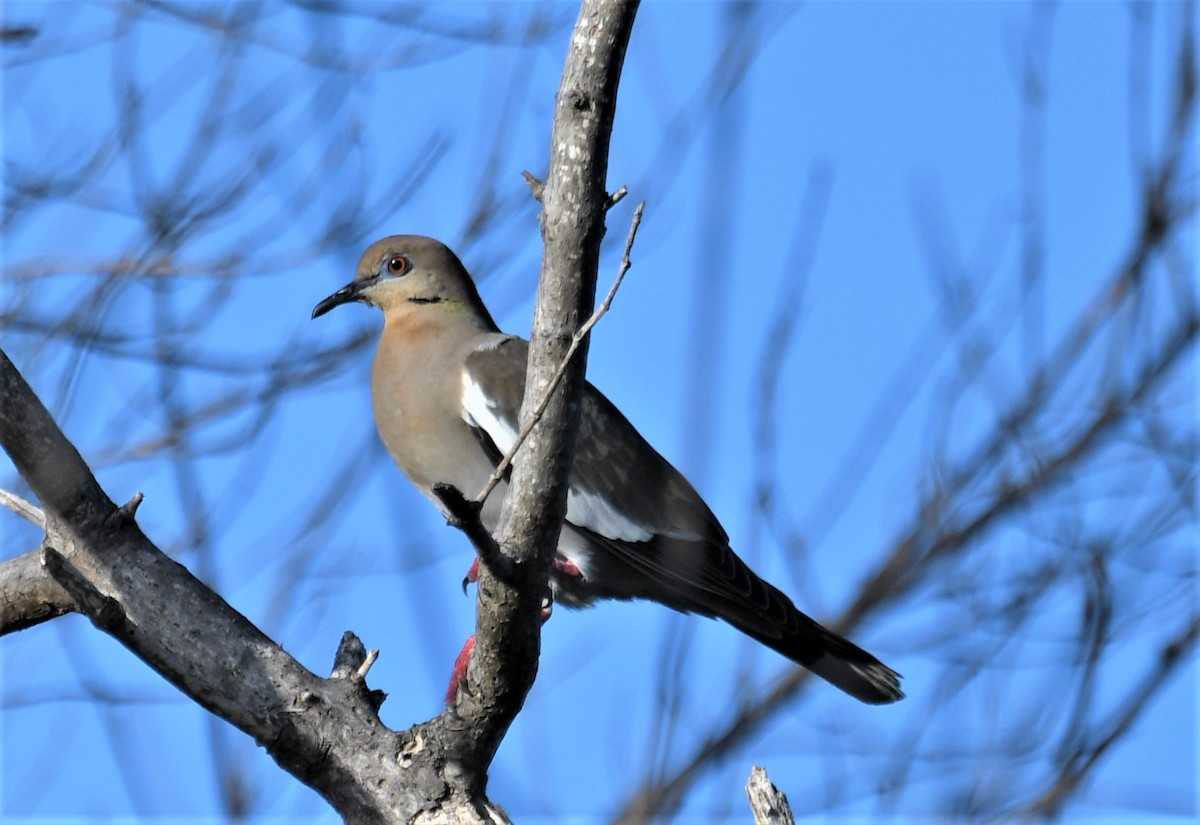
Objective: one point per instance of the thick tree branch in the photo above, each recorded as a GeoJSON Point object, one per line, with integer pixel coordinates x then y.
{"type": "Point", "coordinates": [323, 731]}
{"type": "Point", "coordinates": [574, 199]}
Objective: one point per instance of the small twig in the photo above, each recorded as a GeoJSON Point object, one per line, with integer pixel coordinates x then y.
{"type": "Point", "coordinates": [535, 186]}
{"type": "Point", "coordinates": [580, 335]}
{"type": "Point", "coordinates": [128, 510]}
{"type": "Point", "coordinates": [360, 675]}
{"type": "Point", "coordinates": [617, 197]}
{"type": "Point", "coordinates": [464, 515]}
{"type": "Point", "coordinates": [1075, 771]}
{"type": "Point", "coordinates": [25, 509]}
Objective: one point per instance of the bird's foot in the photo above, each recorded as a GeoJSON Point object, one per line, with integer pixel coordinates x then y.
{"type": "Point", "coordinates": [459, 674]}
{"type": "Point", "coordinates": [562, 567]}
{"type": "Point", "coordinates": [566, 568]}
{"type": "Point", "coordinates": [472, 575]}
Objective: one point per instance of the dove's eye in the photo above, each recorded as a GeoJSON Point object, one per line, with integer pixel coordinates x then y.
{"type": "Point", "coordinates": [395, 265]}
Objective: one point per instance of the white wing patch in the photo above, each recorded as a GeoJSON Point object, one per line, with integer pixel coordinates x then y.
{"type": "Point", "coordinates": [480, 411]}
{"type": "Point", "coordinates": [594, 513]}
{"type": "Point", "coordinates": [587, 510]}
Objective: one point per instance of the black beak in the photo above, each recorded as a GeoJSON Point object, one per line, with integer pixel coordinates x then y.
{"type": "Point", "coordinates": [348, 294]}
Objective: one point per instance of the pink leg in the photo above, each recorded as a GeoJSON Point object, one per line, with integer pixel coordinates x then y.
{"type": "Point", "coordinates": [567, 568]}
{"type": "Point", "coordinates": [562, 567]}
{"type": "Point", "coordinates": [459, 674]}
{"type": "Point", "coordinates": [472, 575]}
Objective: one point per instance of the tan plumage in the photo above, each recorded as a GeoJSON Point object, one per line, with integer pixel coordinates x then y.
{"type": "Point", "coordinates": [446, 388]}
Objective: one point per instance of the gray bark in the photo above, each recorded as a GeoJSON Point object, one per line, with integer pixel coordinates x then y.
{"type": "Point", "coordinates": [768, 803]}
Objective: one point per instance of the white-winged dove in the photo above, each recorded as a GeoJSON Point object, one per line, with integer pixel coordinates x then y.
{"type": "Point", "coordinates": [446, 388]}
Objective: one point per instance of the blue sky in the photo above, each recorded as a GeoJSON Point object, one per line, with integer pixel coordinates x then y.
{"type": "Point", "coordinates": [872, 158]}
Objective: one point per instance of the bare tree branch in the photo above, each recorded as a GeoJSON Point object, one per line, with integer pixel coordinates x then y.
{"type": "Point", "coordinates": [574, 198]}
{"type": "Point", "coordinates": [998, 478]}
{"type": "Point", "coordinates": [768, 803]}
{"type": "Point", "coordinates": [1041, 535]}
{"type": "Point", "coordinates": [30, 512]}
{"type": "Point", "coordinates": [29, 595]}
{"type": "Point", "coordinates": [323, 731]}
{"type": "Point", "coordinates": [1081, 762]}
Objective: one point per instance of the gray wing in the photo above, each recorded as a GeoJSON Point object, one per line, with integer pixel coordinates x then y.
{"type": "Point", "coordinates": [620, 487]}
{"type": "Point", "coordinates": [650, 534]}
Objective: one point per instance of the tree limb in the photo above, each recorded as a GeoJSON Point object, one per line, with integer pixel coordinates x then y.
{"type": "Point", "coordinates": [941, 528]}
{"type": "Point", "coordinates": [29, 595]}
{"type": "Point", "coordinates": [26, 510]}
{"type": "Point", "coordinates": [323, 731]}
{"type": "Point", "coordinates": [508, 618]}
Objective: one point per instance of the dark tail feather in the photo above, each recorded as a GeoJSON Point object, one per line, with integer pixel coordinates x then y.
{"type": "Point", "coordinates": [761, 611]}
{"type": "Point", "coordinates": [769, 616]}
{"type": "Point", "coordinates": [847, 666]}
{"type": "Point", "coordinates": [835, 659]}
{"type": "Point", "coordinates": [708, 578]}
